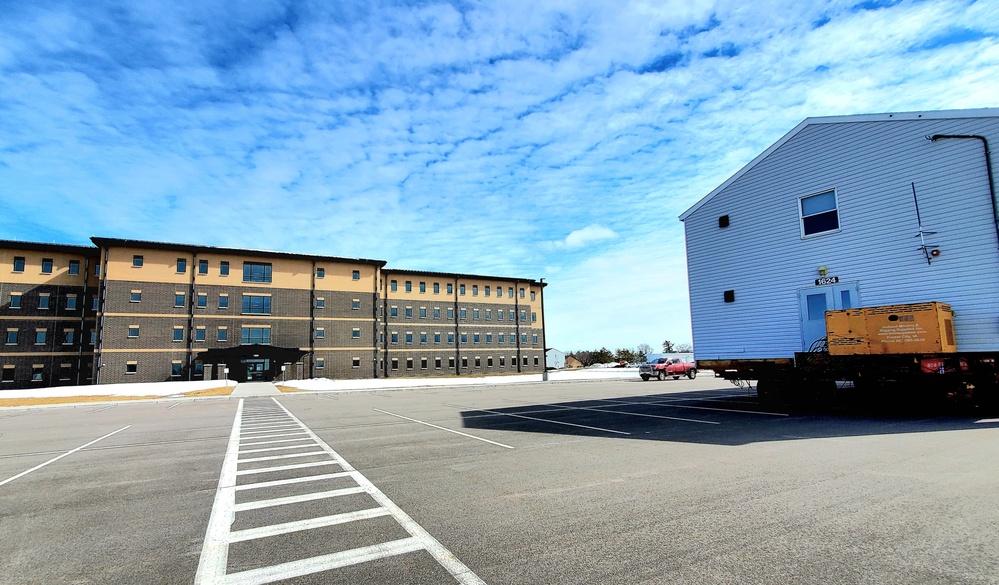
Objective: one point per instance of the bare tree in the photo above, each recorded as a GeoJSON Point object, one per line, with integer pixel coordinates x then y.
{"type": "Point", "coordinates": [643, 351]}
{"type": "Point", "coordinates": [668, 347]}
{"type": "Point", "coordinates": [684, 348]}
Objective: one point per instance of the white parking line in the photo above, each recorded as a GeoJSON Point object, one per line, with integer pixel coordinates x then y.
{"type": "Point", "coordinates": [303, 446]}
{"type": "Point", "coordinates": [554, 422]}
{"type": "Point", "coordinates": [279, 482]}
{"type": "Point", "coordinates": [174, 405]}
{"type": "Point", "coordinates": [54, 459]}
{"type": "Point", "coordinates": [278, 441]}
{"type": "Point", "coordinates": [670, 405]}
{"type": "Point", "coordinates": [258, 504]}
{"type": "Point", "coordinates": [285, 467]}
{"type": "Point", "coordinates": [693, 420]}
{"type": "Point", "coordinates": [443, 429]}
{"type": "Point", "coordinates": [215, 551]}
{"type": "Point", "coordinates": [300, 525]}
{"type": "Point", "coordinates": [270, 436]}
{"type": "Point", "coordinates": [285, 456]}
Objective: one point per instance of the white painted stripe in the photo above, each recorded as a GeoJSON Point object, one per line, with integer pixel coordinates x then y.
{"type": "Point", "coordinates": [306, 438]}
{"type": "Point", "coordinates": [215, 550]}
{"type": "Point", "coordinates": [269, 436]}
{"type": "Point", "coordinates": [443, 429]}
{"type": "Point", "coordinates": [554, 422]}
{"type": "Point", "coordinates": [54, 459]}
{"type": "Point", "coordinates": [338, 560]}
{"type": "Point", "coordinates": [285, 456]}
{"type": "Point", "coordinates": [100, 409]}
{"type": "Point", "coordinates": [174, 405]}
{"type": "Point", "coordinates": [280, 482]}
{"type": "Point", "coordinates": [987, 420]}
{"type": "Point", "coordinates": [257, 504]}
{"type": "Point", "coordinates": [282, 423]}
{"type": "Point", "coordinates": [671, 405]}
{"type": "Point", "coordinates": [444, 557]}
{"type": "Point", "coordinates": [286, 447]}
{"type": "Point", "coordinates": [300, 525]}
{"type": "Point", "coordinates": [693, 420]}
{"type": "Point", "coordinates": [285, 467]}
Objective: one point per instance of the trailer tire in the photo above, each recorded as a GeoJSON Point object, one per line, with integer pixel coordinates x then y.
{"type": "Point", "coordinates": [692, 373]}
{"type": "Point", "coordinates": [645, 377]}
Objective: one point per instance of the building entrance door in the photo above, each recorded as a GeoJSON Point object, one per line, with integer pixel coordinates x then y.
{"type": "Point", "coordinates": [813, 304]}
{"type": "Point", "coordinates": [257, 369]}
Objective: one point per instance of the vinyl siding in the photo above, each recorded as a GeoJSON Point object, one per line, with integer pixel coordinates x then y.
{"type": "Point", "coordinates": [870, 164]}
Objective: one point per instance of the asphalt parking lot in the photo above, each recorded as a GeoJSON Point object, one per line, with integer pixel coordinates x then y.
{"type": "Point", "coordinates": [571, 482]}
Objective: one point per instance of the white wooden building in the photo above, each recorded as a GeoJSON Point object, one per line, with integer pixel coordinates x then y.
{"type": "Point", "coordinates": [826, 219]}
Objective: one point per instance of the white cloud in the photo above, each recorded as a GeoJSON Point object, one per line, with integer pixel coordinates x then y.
{"type": "Point", "coordinates": [584, 237]}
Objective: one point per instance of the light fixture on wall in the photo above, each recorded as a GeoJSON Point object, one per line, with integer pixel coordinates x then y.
{"type": "Point", "coordinates": [823, 270]}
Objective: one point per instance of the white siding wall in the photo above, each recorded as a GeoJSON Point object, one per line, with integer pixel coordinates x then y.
{"type": "Point", "coordinates": [762, 257]}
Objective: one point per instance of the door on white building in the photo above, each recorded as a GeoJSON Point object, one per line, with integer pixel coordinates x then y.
{"type": "Point", "coordinates": [813, 304]}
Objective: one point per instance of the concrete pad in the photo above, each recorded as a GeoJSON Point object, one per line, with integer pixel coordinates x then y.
{"type": "Point", "coordinates": [244, 389]}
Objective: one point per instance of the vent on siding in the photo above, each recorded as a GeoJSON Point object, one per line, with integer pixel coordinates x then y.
{"type": "Point", "coordinates": [730, 296]}
{"type": "Point", "coordinates": [723, 221]}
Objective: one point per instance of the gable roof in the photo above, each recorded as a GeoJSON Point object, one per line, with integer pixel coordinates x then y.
{"type": "Point", "coordinates": [898, 116]}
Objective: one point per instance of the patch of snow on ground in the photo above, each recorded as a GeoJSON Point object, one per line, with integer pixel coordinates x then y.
{"type": "Point", "coordinates": [137, 389]}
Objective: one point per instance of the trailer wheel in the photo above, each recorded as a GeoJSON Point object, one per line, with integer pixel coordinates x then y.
{"type": "Point", "coordinates": [660, 376]}
{"type": "Point", "coordinates": [768, 391]}
{"type": "Point", "coordinates": [645, 377]}
{"type": "Point", "coordinates": [692, 373]}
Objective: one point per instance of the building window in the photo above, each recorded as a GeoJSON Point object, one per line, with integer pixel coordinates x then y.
{"type": "Point", "coordinates": [409, 312]}
{"type": "Point", "coordinates": [393, 286]}
{"type": "Point", "coordinates": [395, 337]}
{"type": "Point", "coordinates": [450, 363]}
{"type": "Point", "coordinates": [489, 314]}
{"type": "Point", "coordinates": [523, 315]}
{"type": "Point", "coordinates": [40, 336]}
{"type": "Point", "coordinates": [537, 361]}
{"type": "Point", "coordinates": [489, 337]}
{"type": "Point", "coordinates": [395, 363]}
{"type": "Point", "coordinates": [475, 338]}
{"type": "Point", "coordinates": [93, 336]}
{"type": "Point", "coordinates": [423, 312]}
{"type": "Point", "coordinates": [521, 293]}
{"type": "Point", "coordinates": [202, 300]}
{"type": "Point", "coordinates": [355, 333]}
{"type": "Point", "coordinates": [136, 296]}
{"type": "Point", "coordinates": [502, 361]}
{"type": "Point", "coordinates": [131, 367]}
{"type": "Point", "coordinates": [423, 287]}
{"type": "Point", "coordinates": [224, 268]}
{"type": "Point", "coordinates": [43, 301]}
{"type": "Point", "coordinates": [437, 288]}
{"type": "Point", "coordinates": [178, 334]}
{"type": "Point", "coordinates": [423, 337]}
{"type": "Point", "coordinates": [320, 333]}
{"type": "Point", "coordinates": [478, 362]}
{"type": "Point", "coordinates": [199, 369]}
{"type": "Point", "coordinates": [437, 337]}
{"type": "Point", "coordinates": [12, 337]}
{"type": "Point", "coordinates": [256, 305]}
{"type": "Point", "coordinates": [133, 331]}
{"type": "Point", "coordinates": [176, 368]}
{"type": "Point", "coordinates": [487, 290]}
{"type": "Point", "coordinates": [475, 290]}
{"type": "Point", "coordinates": [202, 266]}
{"type": "Point", "coordinates": [256, 272]}
{"type": "Point", "coordinates": [461, 289]}
{"type": "Point", "coordinates": [437, 312]}
{"type": "Point", "coordinates": [450, 337]}
{"type": "Point", "coordinates": [37, 373]}
{"type": "Point", "coordinates": [512, 315]}
{"type": "Point", "coordinates": [223, 334]}
{"type": "Point", "coordinates": [532, 295]}
{"type": "Point", "coordinates": [71, 302]}
{"type": "Point", "coordinates": [463, 313]}
{"type": "Point", "coordinates": [181, 265]}
{"type": "Point", "coordinates": [18, 263]}
{"type": "Point", "coordinates": [15, 300]}
{"type": "Point", "coordinates": [46, 266]}
{"type": "Point", "coordinates": [450, 313]}
{"type": "Point", "coordinates": [137, 261]}
{"type": "Point", "coordinates": [534, 317]}
{"type": "Point", "coordinates": [475, 313]}
{"type": "Point", "coordinates": [74, 267]}
{"type": "Point", "coordinates": [93, 302]}
{"type": "Point", "coordinates": [409, 363]}
{"type": "Point", "coordinates": [355, 275]}
{"type": "Point", "coordinates": [223, 301]}
{"type": "Point", "coordinates": [7, 374]}
{"type": "Point", "coordinates": [534, 339]}
{"type": "Point", "coordinates": [320, 272]}
{"type": "Point", "coordinates": [355, 362]}
{"type": "Point", "coordinates": [818, 213]}
{"type": "Point", "coordinates": [256, 335]}
{"type": "Point", "coordinates": [199, 334]}
{"type": "Point", "coordinates": [355, 304]}
{"type": "Point", "coordinates": [320, 363]}
{"type": "Point", "coordinates": [464, 338]}
{"type": "Point", "coordinates": [437, 363]}
{"type": "Point", "coordinates": [409, 337]}
{"type": "Point", "coordinates": [409, 286]}
{"type": "Point", "coordinates": [394, 311]}
{"type": "Point", "coordinates": [509, 292]}
{"type": "Point", "coordinates": [423, 363]}
{"type": "Point", "coordinates": [178, 299]}
{"type": "Point", "coordinates": [320, 302]}
{"type": "Point", "coordinates": [524, 360]}
{"type": "Point", "coordinates": [499, 314]}
{"type": "Point", "coordinates": [501, 338]}
{"type": "Point", "coordinates": [464, 362]}
{"type": "Point", "coordinates": [450, 288]}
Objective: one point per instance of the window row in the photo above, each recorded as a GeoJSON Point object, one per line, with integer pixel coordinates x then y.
{"type": "Point", "coordinates": [64, 374]}
{"type": "Point", "coordinates": [67, 336]}
{"type": "Point", "coordinates": [355, 362]}
{"type": "Point", "coordinates": [253, 304]}
{"type": "Point", "coordinates": [423, 312]}
{"type": "Point", "coordinates": [425, 337]}
{"type": "Point", "coordinates": [45, 301]}
{"type": "Point", "coordinates": [476, 361]}
{"type": "Point", "coordinates": [176, 368]}
{"type": "Point", "coordinates": [47, 265]}
{"type": "Point", "coordinates": [252, 271]}
{"type": "Point", "coordinates": [462, 289]}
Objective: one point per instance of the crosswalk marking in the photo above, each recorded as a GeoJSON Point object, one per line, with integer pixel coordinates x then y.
{"type": "Point", "coordinates": [268, 424]}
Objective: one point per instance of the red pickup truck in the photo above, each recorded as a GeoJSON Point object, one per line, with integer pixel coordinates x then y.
{"type": "Point", "coordinates": [664, 367]}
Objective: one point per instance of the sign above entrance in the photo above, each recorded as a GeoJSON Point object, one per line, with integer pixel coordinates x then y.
{"type": "Point", "coordinates": [826, 280]}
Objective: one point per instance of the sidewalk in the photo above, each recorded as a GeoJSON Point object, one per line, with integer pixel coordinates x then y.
{"type": "Point", "coordinates": [244, 389]}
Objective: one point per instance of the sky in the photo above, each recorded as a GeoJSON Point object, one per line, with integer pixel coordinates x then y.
{"type": "Point", "coordinates": [554, 139]}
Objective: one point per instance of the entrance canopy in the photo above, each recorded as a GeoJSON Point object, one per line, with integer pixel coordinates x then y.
{"type": "Point", "coordinates": [256, 362]}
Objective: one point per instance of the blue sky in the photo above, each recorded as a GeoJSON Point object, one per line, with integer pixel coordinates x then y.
{"type": "Point", "coordinates": [555, 139]}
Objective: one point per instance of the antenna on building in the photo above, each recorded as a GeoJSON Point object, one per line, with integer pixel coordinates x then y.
{"type": "Point", "coordinates": [929, 250]}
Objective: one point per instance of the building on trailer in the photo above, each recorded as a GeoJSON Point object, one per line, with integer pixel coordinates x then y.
{"type": "Point", "coordinates": [844, 212]}
{"type": "Point", "coordinates": [139, 311]}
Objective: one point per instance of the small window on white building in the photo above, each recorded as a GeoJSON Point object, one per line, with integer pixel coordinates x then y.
{"type": "Point", "coordinates": [819, 213]}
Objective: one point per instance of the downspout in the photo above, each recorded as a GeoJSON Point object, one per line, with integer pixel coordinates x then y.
{"type": "Point", "coordinates": [190, 318]}
{"type": "Point", "coordinates": [83, 318]}
{"type": "Point", "coordinates": [374, 325]}
{"type": "Point", "coordinates": [385, 334]}
{"type": "Point", "coordinates": [102, 293]}
{"type": "Point", "coordinates": [988, 170]}
{"type": "Point", "coordinates": [544, 347]}
{"type": "Point", "coordinates": [457, 333]}
{"type": "Point", "coordinates": [516, 312]}
{"type": "Point", "coordinates": [312, 323]}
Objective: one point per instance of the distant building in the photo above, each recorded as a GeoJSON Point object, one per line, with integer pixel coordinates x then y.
{"type": "Point", "coordinates": [555, 358]}
{"type": "Point", "coordinates": [137, 311]}
{"type": "Point", "coordinates": [571, 362]}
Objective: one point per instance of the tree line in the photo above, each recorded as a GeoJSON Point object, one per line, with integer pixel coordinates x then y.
{"type": "Point", "coordinates": [632, 356]}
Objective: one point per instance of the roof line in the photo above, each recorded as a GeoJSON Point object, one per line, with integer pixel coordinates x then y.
{"type": "Point", "coordinates": [848, 119]}
{"type": "Point", "coordinates": [100, 241]}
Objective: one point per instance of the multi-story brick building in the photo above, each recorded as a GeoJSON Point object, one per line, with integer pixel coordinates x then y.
{"type": "Point", "coordinates": [130, 310]}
